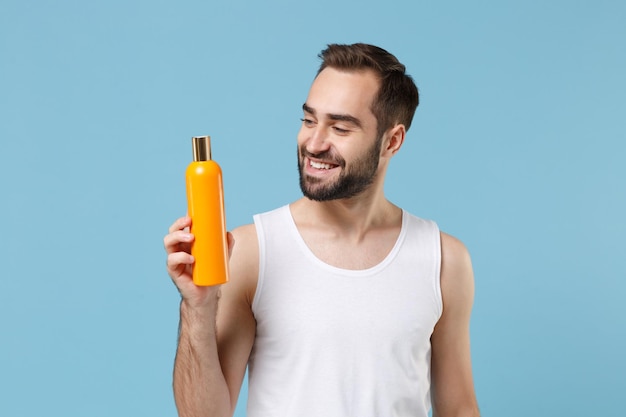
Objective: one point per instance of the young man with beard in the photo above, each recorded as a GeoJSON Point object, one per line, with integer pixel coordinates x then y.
{"type": "Point", "coordinates": [341, 303]}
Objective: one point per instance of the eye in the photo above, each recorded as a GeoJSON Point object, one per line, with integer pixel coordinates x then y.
{"type": "Point", "coordinates": [340, 130]}
{"type": "Point", "coordinates": [307, 122]}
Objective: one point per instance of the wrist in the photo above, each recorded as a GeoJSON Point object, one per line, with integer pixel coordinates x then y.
{"type": "Point", "coordinates": [199, 315]}
{"type": "Point", "coordinates": [200, 299]}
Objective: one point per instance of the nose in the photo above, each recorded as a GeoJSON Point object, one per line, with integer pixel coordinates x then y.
{"type": "Point", "coordinates": [315, 140]}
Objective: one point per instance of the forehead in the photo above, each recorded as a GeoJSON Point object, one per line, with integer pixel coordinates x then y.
{"type": "Point", "coordinates": [341, 92]}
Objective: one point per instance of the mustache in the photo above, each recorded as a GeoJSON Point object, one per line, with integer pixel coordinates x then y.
{"type": "Point", "coordinates": [328, 156]}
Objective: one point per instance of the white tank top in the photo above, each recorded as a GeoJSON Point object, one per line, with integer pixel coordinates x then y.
{"type": "Point", "coordinates": [332, 342]}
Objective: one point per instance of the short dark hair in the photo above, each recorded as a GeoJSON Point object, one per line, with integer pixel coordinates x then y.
{"type": "Point", "coordinates": [397, 97]}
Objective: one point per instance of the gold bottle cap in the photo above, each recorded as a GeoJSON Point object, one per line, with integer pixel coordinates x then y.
{"type": "Point", "coordinates": [201, 148]}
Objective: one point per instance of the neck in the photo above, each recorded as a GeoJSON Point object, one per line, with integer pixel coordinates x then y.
{"type": "Point", "coordinates": [352, 217]}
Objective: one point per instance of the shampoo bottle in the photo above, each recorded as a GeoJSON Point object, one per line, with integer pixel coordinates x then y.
{"type": "Point", "coordinates": [205, 203]}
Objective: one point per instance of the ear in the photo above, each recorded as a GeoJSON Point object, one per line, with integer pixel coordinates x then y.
{"type": "Point", "coordinates": [395, 139]}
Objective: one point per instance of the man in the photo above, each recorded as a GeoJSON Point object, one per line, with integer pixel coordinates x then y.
{"type": "Point", "coordinates": [341, 303]}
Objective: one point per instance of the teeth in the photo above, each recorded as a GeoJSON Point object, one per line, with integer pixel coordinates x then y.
{"type": "Point", "coordinates": [320, 165]}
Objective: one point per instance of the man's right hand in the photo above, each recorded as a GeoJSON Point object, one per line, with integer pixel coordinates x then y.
{"type": "Point", "coordinates": [180, 264]}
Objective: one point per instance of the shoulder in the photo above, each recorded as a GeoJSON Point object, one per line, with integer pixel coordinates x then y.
{"type": "Point", "coordinates": [245, 233]}
{"type": "Point", "coordinates": [454, 254]}
{"type": "Point", "coordinates": [457, 277]}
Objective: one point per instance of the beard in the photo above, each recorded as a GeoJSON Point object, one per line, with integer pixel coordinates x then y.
{"type": "Point", "coordinates": [351, 181]}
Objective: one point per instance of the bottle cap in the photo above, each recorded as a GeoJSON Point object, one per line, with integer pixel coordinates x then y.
{"type": "Point", "coordinates": [201, 148]}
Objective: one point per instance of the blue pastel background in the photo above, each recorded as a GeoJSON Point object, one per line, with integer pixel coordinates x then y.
{"type": "Point", "coordinates": [517, 148]}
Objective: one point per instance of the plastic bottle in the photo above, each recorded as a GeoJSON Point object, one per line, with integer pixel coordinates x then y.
{"type": "Point", "coordinates": [205, 203]}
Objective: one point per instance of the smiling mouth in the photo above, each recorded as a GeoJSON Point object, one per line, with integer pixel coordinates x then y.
{"type": "Point", "coordinates": [320, 165]}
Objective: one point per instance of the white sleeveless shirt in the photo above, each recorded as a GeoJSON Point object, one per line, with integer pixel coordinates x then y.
{"type": "Point", "coordinates": [332, 342]}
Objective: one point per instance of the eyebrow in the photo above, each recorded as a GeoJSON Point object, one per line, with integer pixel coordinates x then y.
{"type": "Point", "coordinates": [338, 117]}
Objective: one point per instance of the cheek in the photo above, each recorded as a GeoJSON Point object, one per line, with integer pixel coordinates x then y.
{"type": "Point", "coordinates": [301, 135]}
{"type": "Point", "coordinates": [300, 141]}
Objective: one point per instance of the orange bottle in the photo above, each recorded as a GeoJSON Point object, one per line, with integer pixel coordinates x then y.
{"type": "Point", "coordinates": [205, 203]}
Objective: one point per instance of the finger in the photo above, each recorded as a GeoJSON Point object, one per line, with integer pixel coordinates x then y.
{"type": "Point", "coordinates": [177, 260]}
{"type": "Point", "coordinates": [180, 224]}
{"type": "Point", "coordinates": [177, 240]}
{"type": "Point", "coordinates": [231, 243]}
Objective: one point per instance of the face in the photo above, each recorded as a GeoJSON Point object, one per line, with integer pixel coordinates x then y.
{"type": "Point", "coordinates": [338, 147]}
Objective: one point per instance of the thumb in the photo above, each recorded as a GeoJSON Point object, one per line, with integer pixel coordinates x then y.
{"type": "Point", "coordinates": [231, 243]}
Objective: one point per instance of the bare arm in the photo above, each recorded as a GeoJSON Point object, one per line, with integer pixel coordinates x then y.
{"type": "Point", "coordinates": [452, 383]}
{"type": "Point", "coordinates": [215, 337]}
